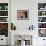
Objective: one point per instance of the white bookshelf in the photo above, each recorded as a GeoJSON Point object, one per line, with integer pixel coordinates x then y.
{"type": "Point", "coordinates": [8, 18]}
{"type": "Point", "coordinates": [4, 12]}
{"type": "Point", "coordinates": [41, 18]}
{"type": "Point", "coordinates": [4, 18]}
{"type": "Point", "coordinates": [41, 12]}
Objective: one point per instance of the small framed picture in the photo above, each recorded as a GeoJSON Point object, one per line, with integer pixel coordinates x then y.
{"type": "Point", "coordinates": [22, 14]}
{"type": "Point", "coordinates": [42, 32]}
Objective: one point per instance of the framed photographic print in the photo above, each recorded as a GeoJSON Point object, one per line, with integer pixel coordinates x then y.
{"type": "Point", "coordinates": [22, 14]}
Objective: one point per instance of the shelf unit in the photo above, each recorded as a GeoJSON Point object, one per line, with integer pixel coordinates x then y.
{"type": "Point", "coordinates": [4, 19]}
{"type": "Point", "coordinates": [42, 19]}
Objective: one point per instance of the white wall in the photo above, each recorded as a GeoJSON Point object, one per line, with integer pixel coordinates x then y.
{"type": "Point", "coordinates": [32, 6]}
{"type": "Point", "coordinates": [24, 5]}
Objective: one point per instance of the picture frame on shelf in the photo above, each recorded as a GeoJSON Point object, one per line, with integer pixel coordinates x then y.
{"type": "Point", "coordinates": [3, 13]}
{"type": "Point", "coordinates": [0, 7]}
{"type": "Point", "coordinates": [3, 19]}
{"type": "Point", "coordinates": [41, 13]}
{"type": "Point", "coordinates": [41, 19]}
{"type": "Point", "coordinates": [6, 7]}
{"type": "Point", "coordinates": [41, 25]}
{"type": "Point", "coordinates": [22, 14]}
{"type": "Point", "coordinates": [41, 6]}
{"type": "Point", "coordinates": [3, 6]}
{"type": "Point", "coordinates": [4, 29]}
{"type": "Point", "coordinates": [42, 33]}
